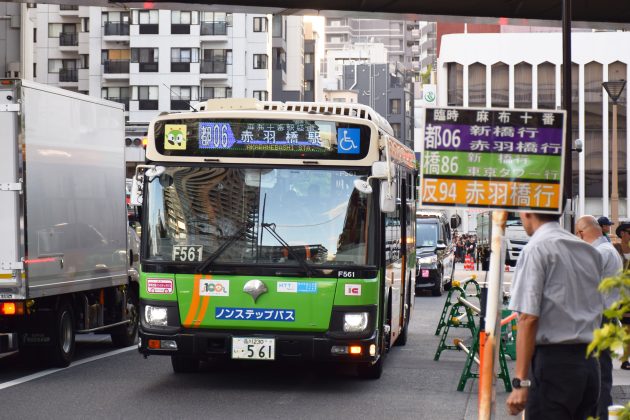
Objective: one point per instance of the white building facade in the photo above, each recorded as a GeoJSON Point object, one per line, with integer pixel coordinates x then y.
{"type": "Point", "coordinates": [523, 70]}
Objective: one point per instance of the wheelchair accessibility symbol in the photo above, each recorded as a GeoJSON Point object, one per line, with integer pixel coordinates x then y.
{"type": "Point", "coordinates": [349, 141]}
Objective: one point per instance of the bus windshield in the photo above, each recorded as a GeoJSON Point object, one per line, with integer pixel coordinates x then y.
{"type": "Point", "coordinates": [249, 215]}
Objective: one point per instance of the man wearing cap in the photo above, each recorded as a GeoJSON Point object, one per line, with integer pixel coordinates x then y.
{"type": "Point", "coordinates": [605, 223]}
{"type": "Point", "coordinates": [623, 233]}
{"type": "Point", "coordinates": [587, 228]}
{"type": "Point", "coordinates": [554, 290]}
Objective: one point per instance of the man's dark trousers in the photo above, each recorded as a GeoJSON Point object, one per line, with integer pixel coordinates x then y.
{"type": "Point", "coordinates": [565, 384]}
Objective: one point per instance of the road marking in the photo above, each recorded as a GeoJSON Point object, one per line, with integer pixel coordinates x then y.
{"type": "Point", "coordinates": [47, 372]}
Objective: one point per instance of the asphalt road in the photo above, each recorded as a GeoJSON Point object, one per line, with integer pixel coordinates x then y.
{"type": "Point", "coordinates": [124, 385]}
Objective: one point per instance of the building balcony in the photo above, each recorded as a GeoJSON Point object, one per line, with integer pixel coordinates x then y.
{"type": "Point", "coordinates": [68, 39]}
{"type": "Point", "coordinates": [415, 34]}
{"type": "Point", "coordinates": [124, 101]}
{"type": "Point", "coordinates": [116, 67]}
{"type": "Point", "coordinates": [415, 49]}
{"type": "Point", "coordinates": [216, 67]}
{"type": "Point", "coordinates": [68, 75]}
{"type": "Point", "coordinates": [148, 67]}
{"type": "Point", "coordinates": [116, 29]}
{"type": "Point", "coordinates": [213, 28]}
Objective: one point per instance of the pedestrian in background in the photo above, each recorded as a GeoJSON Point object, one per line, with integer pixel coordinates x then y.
{"type": "Point", "coordinates": [554, 289]}
{"type": "Point", "coordinates": [605, 224]}
{"type": "Point", "coordinates": [623, 233]}
{"type": "Point", "coordinates": [589, 230]}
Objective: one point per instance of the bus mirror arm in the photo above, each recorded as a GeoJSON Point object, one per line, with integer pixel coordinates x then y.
{"type": "Point", "coordinates": [380, 170]}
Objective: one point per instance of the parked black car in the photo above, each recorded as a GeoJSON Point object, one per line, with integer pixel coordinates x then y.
{"type": "Point", "coordinates": [435, 254]}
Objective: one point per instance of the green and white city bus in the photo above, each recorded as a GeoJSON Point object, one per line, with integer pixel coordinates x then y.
{"type": "Point", "coordinates": [275, 231]}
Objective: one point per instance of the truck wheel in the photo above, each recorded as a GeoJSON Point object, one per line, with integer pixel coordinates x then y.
{"type": "Point", "coordinates": [438, 289]}
{"type": "Point", "coordinates": [62, 334]}
{"type": "Point", "coordinates": [127, 335]}
{"type": "Point", "coordinates": [182, 364]}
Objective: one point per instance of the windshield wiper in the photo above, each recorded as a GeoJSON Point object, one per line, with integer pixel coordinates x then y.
{"type": "Point", "coordinates": [216, 254]}
{"type": "Point", "coordinates": [271, 228]}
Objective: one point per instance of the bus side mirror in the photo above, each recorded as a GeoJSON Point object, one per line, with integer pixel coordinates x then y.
{"type": "Point", "coordinates": [135, 198]}
{"type": "Point", "coordinates": [388, 197]}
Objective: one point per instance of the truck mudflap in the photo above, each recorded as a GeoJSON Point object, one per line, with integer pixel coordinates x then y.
{"type": "Point", "coordinates": [206, 345]}
{"type": "Point", "coordinates": [8, 342]}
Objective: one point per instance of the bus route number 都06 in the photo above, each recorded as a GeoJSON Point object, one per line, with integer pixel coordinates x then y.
{"type": "Point", "coordinates": [214, 135]}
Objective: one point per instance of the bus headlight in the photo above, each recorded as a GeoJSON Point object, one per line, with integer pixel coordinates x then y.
{"type": "Point", "coordinates": [428, 260]}
{"type": "Point", "coordinates": [156, 316]}
{"type": "Point", "coordinates": [355, 321]}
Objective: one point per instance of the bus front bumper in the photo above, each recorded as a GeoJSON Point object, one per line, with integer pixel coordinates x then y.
{"type": "Point", "coordinates": [218, 345]}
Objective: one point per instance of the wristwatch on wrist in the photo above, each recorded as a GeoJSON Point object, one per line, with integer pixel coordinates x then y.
{"type": "Point", "coordinates": [521, 383]}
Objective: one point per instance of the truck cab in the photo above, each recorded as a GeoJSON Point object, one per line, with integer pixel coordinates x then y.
{"type": "Point", "coordinates": [435, 255]}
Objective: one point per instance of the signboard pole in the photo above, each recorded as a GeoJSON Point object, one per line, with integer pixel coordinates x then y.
{"type": "Point", "coordinates": [490, 356]}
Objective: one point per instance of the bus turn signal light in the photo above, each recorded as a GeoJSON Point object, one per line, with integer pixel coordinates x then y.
{"type": "Point", "coordinates": [355, 349]}
{"type": "Point", "coordinates": [11, 308]}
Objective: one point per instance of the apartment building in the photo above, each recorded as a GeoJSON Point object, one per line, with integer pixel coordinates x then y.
{"type": "Point", "coordinates": [524, 70]}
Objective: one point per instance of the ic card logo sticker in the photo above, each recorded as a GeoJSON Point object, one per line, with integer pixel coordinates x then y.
{"type": "Point", "coordinates": [353, 290]}
{"type": "Point", "coordinates": [160, 286]}
{"type": "Point", "coordinates": [211, 287]}
{"type": "Point", "coordinates": [348, 141]}
{"type": "Point", "coordinates": [175, 137]}
{"type": "Point", "coordinates": [297, 287]}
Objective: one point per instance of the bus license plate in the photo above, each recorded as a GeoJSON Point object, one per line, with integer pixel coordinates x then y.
{"type": "Point", "coordinates": [253, 348]}
{"type": "Point", "coordinates": [425, 273]}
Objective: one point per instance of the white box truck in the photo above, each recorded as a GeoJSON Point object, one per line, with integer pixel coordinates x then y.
{"type": "Point", "coordinates": [65, 266]}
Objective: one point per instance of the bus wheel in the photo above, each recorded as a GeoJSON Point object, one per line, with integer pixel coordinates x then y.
{"type": "Point", "coordinates": [182, 364]}
{"type": "Point", "coordinates": [62, 334]}
{"type": "Point", "coordinates": [371, 371]}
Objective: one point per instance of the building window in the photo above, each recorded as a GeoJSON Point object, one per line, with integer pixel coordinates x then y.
{"type": "Point", "coordinates": [184, 18]}
{"type": "Point", "coordinates": [500, 96]}
{"type": "Point", "coordinates": [215, 23]}
{"type": "Point", "coordinates": [477, 85]}
{"type": "Point", "coordinates": [34, 35]}
{"type": "Point", "coordinates": [34, 70]}
{"type": "Point", "coordinates": [115, 23]}
{"type": "Point", "coordinates": [116, 61]}
{"type": "Point", "coordinates": [309, 58]}
{"type": "Point", "coordinates": [396, 128]}
{"type": "Point", "coordinates": [117, 94]}
{"type": "Point", "coordinates": [394, 106]}
{"type": "Point", "coordinates": [308, 85]}
{"type": "Point", "coordinates": [148, 21]}
{"type": "Point", "coordinates": [147, 97]}
{"type": "Point", "coordinates": [276, 26]}
{"type": "Point", "coordinates": [260, 61]}
{"type": "Point", "coordinates": [547, 86]}
{"type": "Point", "coordinates": [147, 58]}
{"type": "Point", "coordinates": [181, 96]}
{"type": "Point", "coordinates": [261, 95]}
{"type": "Point", "coordinates": [455, 96]}
{"type": "Point", "coordinates": [184, 55]}
{"type": "Point", "coordinates": [85, 24]}
{"type": "Point", "coordinates": [216, 92]}
{"type": "Point", "coordinates": [85, 61]}
{"type": "Point", "coordinates": [216, 61]}
{"type": "Point", "coordinates": [260, 24]}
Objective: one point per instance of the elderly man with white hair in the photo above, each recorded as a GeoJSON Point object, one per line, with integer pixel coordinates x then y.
{"type": "Point", "coordinates": [588, 229]}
